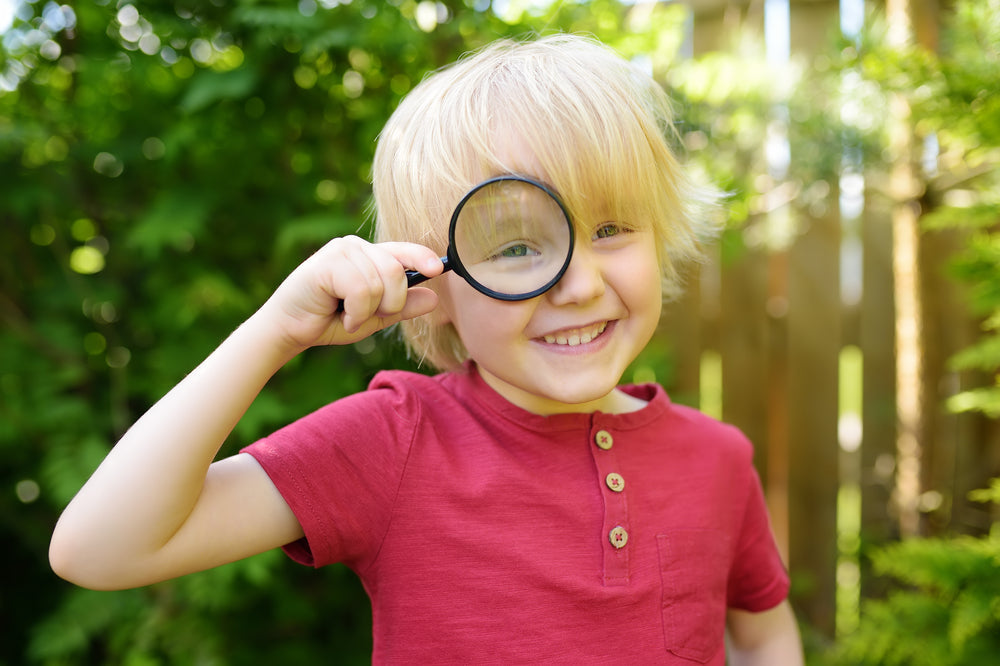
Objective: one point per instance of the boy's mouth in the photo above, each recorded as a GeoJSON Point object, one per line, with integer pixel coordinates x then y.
{"type": "Point", "coordinates": [576, 336]}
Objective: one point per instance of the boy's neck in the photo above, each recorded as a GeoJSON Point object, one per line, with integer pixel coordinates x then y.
{"type": "Point", "coordinates": [615, 402]}
{"type": "Point", "coordinates": [627, 403]}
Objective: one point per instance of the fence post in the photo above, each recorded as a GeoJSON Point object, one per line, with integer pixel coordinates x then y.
{"type": "Point", "coordinates": [814, 344]}
{"type": "Point", "coordinates": [878, 410]}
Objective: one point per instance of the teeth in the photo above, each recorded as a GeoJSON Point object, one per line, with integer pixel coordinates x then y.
{"type": "Point", "coordinates": [576, 337]}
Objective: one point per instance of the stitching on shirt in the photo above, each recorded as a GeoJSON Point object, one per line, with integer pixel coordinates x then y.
{"type": "Point", "coordinates": [402, 475]}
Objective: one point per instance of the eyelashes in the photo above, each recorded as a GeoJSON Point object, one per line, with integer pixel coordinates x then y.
{"type": "Point", "coordinates": [610, 230]}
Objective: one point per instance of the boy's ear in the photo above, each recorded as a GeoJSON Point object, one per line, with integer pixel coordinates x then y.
{"type": "Point", "coordinates": [440, 315]}
{"type": "Point", "coordinates": [437, 317]}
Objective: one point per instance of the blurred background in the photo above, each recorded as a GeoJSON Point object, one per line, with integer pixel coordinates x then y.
{"type": "Point", "coordinates": [164, 164]}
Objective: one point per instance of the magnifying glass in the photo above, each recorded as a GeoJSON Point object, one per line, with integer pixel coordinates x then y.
{"type": "Point", "coordinates": [510, 237]}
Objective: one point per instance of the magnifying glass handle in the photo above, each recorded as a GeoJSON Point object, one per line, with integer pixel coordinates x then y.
{"type": "Point", "coordinates": [415, 277]}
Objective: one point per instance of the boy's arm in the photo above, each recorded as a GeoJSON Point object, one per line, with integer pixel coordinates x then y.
{"type": "Point", "coordinates": [768, 638]}
{"type": "Point", "coordinates": [157, 507]}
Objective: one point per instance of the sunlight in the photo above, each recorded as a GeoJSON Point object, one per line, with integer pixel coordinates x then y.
{"type": "Point", "coordinates": [7, 9]}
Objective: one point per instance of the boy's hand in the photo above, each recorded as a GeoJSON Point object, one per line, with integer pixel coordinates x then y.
{"type": "Point", "coordinates": [369, 279]}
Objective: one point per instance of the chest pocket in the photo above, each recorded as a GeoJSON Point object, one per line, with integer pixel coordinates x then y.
{"type": "Point", "coordinates": [694, 567]}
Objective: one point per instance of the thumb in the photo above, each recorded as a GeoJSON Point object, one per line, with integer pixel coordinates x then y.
{"type": "Point", "coordinates": [419, 301]}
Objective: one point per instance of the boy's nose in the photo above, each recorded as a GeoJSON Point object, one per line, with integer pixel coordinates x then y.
{"type": "Point", "coordinates": [583, 280]}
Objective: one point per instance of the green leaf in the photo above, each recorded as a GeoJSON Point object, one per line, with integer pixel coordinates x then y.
{"type": "Point", "coordinates": [174, 220]}
{"type": "Point", "coordinates": [984, 355]}
{"type": "Point", "coordinates": [971, 612]}
{"type": "Point", "coordinates": [209, 87]}
{"type": "Point", "coordinates": [991, 494]}
{"type": "Point", "coordinates": [311, 231]}
{"type": "Point", "coordinates": [979, 216]}
{"type": "Point", "coordinates": [289, 19]}
{"type": "Point", "coordinates": [985, 400]}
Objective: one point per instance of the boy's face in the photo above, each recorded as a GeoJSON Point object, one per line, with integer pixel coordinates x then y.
{"type": "Point", "coordinates": [565, 351]}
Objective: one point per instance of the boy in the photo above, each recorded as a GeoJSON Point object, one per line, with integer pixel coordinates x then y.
{"type": "Point", "coordinates": [520, 506]}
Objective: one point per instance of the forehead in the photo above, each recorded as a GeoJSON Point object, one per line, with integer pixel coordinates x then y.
{"type": "Point", "coordinates": [510, 153]}
{"type": "Point", "coordinates": [590, 176]}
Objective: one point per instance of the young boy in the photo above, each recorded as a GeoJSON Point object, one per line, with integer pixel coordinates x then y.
{"type": "Point", "coordinates": [520, 507]}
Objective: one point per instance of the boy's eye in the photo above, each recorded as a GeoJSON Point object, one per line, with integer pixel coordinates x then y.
{"type": "Point", "coordinates": [608, 230]}
{"type": "Point", "coordinates": [514, 250]}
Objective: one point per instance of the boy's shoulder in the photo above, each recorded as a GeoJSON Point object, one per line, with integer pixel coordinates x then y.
{"type": "Point", "coordinates": [684, 415]}
{"type": "Point", "coordinates": [405, 380]}
{"type": "Point", "coordinates": [412, 393]}
{"type": "Point", "coordinates": [407, 386]}
{"type": "Point", "coordinates": [707, 432]}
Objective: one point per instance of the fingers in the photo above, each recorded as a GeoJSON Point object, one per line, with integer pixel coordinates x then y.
{"type": "Point", "coordinates": [415, 257]}
{"type": "Point", "coordinates": [420, 301]}
{"type": "Point", "coordinates": [371, 281]}
{"type": "Point", "coordinates": [349, 289]}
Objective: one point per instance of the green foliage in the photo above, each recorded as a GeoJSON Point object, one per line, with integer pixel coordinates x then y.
{"type": "Point", "coordinates": [238, 613]}
{"type": "Point", "coordinates": [978, 265]}
{"type": "Point", "coordinates": [945, 609]}
{"type": "Point", "coordinates": [968, 117]}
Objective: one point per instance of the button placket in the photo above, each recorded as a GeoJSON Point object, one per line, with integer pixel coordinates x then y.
{"type": "Point", "coordinates": [605, 445]}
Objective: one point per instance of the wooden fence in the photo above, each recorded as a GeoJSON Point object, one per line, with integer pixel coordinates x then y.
{"type": "Point", "coordinates": [841, 389]}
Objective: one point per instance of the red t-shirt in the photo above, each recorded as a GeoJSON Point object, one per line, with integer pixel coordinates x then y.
{"type": "Point", "coordinates": [487, 534]}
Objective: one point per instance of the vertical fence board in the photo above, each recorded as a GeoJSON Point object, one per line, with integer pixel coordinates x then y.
{"type": "Point", "coordinates": [743, 348]}
{"type": "Point", "coordinates": [943, 336]}
{"type": "Point", "coordinates": [717, 25]}
{"type": "Point", "coordinates": [813, 362]}
{"type": "Point", "coordinates": [814, 24]}
{"type": "Point", "coordinates": [814, 344]}
{"type": "Point", "coordinates": [681, 332]}
{"type": "Point", "coordinates": [878, 403]}
{"type": "Point", "coordinates": [777, 397]}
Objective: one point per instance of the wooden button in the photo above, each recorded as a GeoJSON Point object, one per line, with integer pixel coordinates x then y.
{"type": "Point", "coordinates": [618, 537]}
{"type": "Point", "coordinates": [604, 440]}
{"type": "Point", "coordinates": [615, 481]}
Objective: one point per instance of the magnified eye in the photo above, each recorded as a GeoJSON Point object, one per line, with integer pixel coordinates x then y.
{"type": "Point", "coordinates": [510, 238]}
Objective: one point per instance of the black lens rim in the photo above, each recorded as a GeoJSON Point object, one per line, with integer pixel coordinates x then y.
{"type": "Point", "coordinates": [455, 262]}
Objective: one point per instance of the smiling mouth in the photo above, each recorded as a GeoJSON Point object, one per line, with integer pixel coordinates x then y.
{"type": "Point", "coordinates": [577, 336]}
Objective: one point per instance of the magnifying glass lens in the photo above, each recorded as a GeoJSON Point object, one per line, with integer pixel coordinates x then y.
{"type": "Point", "coordinates": [511, 238]}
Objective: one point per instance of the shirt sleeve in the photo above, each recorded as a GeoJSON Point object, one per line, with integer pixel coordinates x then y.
{"type": "Point", "coordinates": [758, 580]}
{"type": "Point", "coordinates": [339, 469]}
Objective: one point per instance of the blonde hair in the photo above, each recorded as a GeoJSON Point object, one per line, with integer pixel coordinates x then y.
{"type": "Point", "coordinates": [599, 128]}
